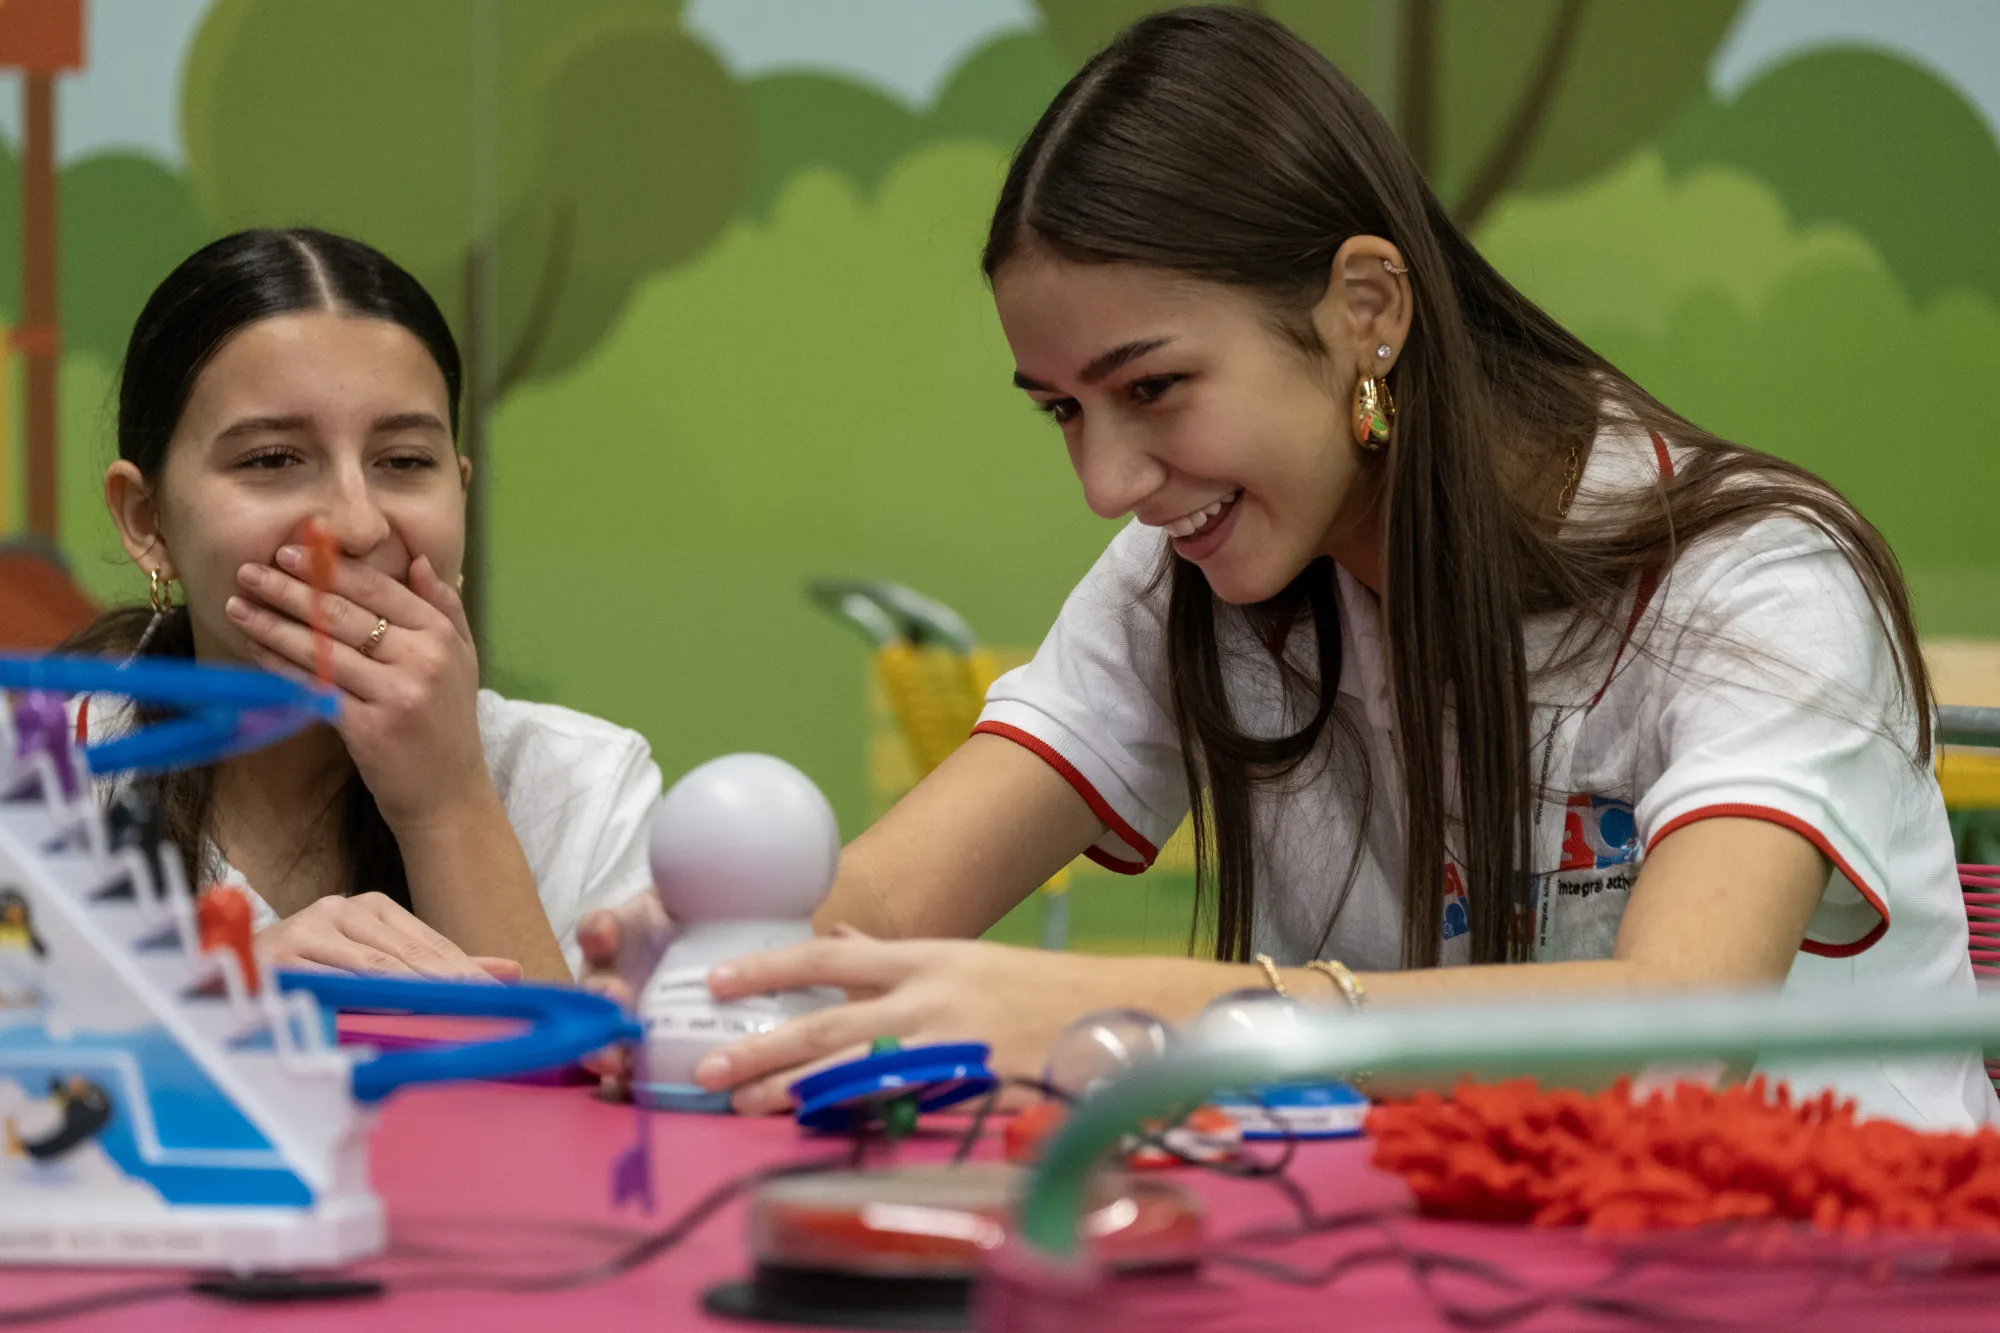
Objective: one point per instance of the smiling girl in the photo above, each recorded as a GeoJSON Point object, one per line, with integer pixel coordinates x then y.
{"type": "Point", "coordinates": [282, 377]}
{"type": "Point", "coordinates": [1481, 672]}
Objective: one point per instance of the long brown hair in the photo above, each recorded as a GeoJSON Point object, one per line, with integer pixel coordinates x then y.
{"type": "Point", "coordinates": [215, 292]}
{"type": "Point", "coordinates": [1214, 143]}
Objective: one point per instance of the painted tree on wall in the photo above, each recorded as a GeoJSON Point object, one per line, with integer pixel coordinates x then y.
{"type": "Point", "coordinates": [1528, 95]}
{"type": "Point", "coordinates": [529, 161]}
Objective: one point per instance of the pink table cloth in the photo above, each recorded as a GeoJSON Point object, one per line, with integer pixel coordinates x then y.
{"type": "Point", "coordinates": [499, 1179]}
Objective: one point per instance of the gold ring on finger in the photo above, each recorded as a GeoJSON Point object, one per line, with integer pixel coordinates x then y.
{"type": "Point", "coordinates": [375, 639]}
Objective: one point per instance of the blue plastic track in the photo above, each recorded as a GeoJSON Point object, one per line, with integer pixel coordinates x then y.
{"type": "Point", "coordinates": [230, 709]}
{"type": "Point", "coordinates": [565, 1023]}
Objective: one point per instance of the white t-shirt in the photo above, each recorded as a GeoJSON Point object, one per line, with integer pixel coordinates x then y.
{"type": "Point", "coordinates": [1757, 683]}
{"type": "Point", "coordinates": [579, 792]}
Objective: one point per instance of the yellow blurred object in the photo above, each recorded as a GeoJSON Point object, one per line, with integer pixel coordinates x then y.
{"type": "Point", "coordinates": [923, 701]}
{"type": "Point", "coordinates": [1970, 778]}
{"type": "Point", "coordinates": [937, 694]}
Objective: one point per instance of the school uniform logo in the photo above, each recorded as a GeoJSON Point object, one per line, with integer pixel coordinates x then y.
{"type": "Point", "coordinates": [1457, 916]}
{"type": "Point", "coordinates": [1598, 832]}
{"type": "Point", "coordinates": [1578, 905]}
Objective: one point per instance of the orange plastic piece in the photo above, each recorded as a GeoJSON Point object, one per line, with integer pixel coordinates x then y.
{"type": "Point", "coordinates": [318, 540]}
{"type": "Point", "coordinates": [222, 919]}
{"type": "Point", "coordinates": [1511, 1153]}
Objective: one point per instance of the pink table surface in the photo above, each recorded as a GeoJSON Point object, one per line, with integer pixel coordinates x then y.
{"type": "Point", "coordinates": [514, 1179]}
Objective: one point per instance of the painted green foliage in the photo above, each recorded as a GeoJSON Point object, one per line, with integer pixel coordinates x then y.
{"type": "Point", "coordinates": [1863, 138]}
{"type": "Point", "coordinates": [1707, 290]}
{"type": "Point", "coordinates": [813, 120]}
{"type": "Point", "coordinates": [125, 221]}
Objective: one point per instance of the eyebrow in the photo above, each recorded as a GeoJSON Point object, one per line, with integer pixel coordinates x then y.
{"type": "Point", "coordinates": [281, 424]}
{"type": "Point", "coordinates": [409, 421]}
{"type": "Point", "coordinates": [1123, 354]}
{"type": "Point", "coordinates": [260, 425]}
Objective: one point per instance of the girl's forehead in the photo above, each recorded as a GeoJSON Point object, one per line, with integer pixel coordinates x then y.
{"type": "Point", "coordinates": [1059, 302]}
{"type": "Point", "coordinates": [314, 363]}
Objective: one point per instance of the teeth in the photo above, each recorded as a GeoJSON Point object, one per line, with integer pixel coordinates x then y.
{"type": "Point", "coordinates": [1189, 524]}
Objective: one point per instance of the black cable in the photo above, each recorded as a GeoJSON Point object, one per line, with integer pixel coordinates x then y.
{"type": "Point", "coordinates": [970, 1138]}
{"type": "Point", "coordinates": [646, 1248]}
{"type": "Point", "coordinates": [113, 1298]}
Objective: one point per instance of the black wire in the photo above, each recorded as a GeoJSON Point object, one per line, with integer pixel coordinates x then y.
{"type": "Point", "coordinates": [70, 1307]}
{"type": "Point", "coordinates": [970, 1138]}
{"type": "Point", "coordinates": [647, 1248]}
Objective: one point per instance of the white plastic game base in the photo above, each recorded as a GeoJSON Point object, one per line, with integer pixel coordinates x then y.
{"type": "Point", "coordinates": [241, 1240]}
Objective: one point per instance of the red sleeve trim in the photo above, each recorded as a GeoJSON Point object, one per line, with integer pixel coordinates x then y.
{"type": "Point", "coordinates": [83, 720]}
{"type": "Point", "coordinates": [1811, 835]}
{"type": "Point", "coordinates": [1100, 807]}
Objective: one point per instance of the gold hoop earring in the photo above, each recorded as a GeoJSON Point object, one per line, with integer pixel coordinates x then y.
{"type": "Point", "coordinates": [1374, 413]}
{"type": "Point", "coordinates": [160, 592]}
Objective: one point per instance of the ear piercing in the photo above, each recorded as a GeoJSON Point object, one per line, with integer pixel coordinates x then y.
{"type": "Point", "coordinates": [1383, 351]}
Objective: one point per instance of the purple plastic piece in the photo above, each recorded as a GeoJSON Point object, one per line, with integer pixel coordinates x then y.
{"type": "Point", "coordinates": [41, 726]}
{"type": "Point", "coordinates": [632, 1173]}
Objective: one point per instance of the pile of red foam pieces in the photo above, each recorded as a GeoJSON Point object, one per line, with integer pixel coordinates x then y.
{"type": "Point", "coordinates": [1617, 1165]}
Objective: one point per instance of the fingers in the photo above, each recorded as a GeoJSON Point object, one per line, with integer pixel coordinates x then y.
{"type": "Point", "coordinates": [329, 948]}
{"type": "Point", "coordinates": [424, 582]}
{"type": "Point", "coordinates": [292, 597]}
{"type": "Point", "coordinates": [861, 965]}
{"type": "Point", "coordinates": [612, 1064]}
{"type": "Point", "coordinates": [772, 1094]}
{"type": "Point", "coordinates": [626, 941]}
{"type": "Point", "coordinates": [500, 969]}
{"type": "Point", "coordinates": [285, 641]}
{"type": "Point", "coordinates": [611, 986]}
{"type": "Point", "coordinates": [815, 1037]}
{"type": "Point", "coordinates": [597, 935]}
{"type": "Point", "coordinates": [379, 922]}
{"type": "Point", "coordinates": [372, 592]}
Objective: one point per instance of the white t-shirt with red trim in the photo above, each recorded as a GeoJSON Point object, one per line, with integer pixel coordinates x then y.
{"type": "Point", "coordinates": [1757, 682]}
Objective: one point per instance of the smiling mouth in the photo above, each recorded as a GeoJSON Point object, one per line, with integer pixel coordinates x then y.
{"type": "Point", "coordinates": [1198, 522]}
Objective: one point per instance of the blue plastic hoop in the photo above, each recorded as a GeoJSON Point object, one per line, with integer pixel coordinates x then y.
{"type": "Point", "coordinates": [565, 1023]}
{"type": "Point", "coordinates": [230, 709]}
{"type": "Point", "coordinates": [937, 1076]}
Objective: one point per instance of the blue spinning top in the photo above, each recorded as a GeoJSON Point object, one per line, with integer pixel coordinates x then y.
{"type": "Point", "coordinates": [934, 1077]}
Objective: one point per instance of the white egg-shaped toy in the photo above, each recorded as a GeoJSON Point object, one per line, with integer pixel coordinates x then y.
{"type": "Point", "coordinates": [743, 836]}
{"type": "Point", "coordinates": [743, 850]}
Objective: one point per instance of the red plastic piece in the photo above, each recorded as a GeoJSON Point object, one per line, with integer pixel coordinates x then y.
{"type": "Point", "coordinates": [1207, 1134]}
{"type": "Point", "coordinates": [1022, 1140]}
{"type": "Point", "coordinates": [222, 919]}
{"type": "Point", "coordinates": [1512, 1153]}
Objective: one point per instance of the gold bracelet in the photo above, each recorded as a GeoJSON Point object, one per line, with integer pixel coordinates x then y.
{"type": "Point", "coordinates": [1344, 981]}
{"type": "Point", "coordinates": [1263, 960]}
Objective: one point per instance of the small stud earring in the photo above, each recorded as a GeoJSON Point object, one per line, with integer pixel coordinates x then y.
{"type": "Point", "coordinates": [1383, 351]}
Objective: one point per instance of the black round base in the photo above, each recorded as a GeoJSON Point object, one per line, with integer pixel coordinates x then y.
{"type": "Point", "coordinates": [843, 1300]}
